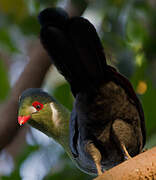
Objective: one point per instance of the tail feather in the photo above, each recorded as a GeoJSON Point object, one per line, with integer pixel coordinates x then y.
{"type": "Point", "coordinates": [56, 17]}
{"type": "Point", "coordinates": [86, 42]}
{"type": "Point", "coordinates": [64, 57]}
{"type": "Point", "coordinates": [75, 48]}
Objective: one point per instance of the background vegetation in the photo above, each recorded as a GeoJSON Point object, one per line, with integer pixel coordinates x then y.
{"type": "Point", "coordinates": [127, 31]}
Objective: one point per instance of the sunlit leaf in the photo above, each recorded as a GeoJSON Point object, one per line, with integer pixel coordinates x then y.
{"type": "Point", "coordinates": [142, 87]}
{"type": "Point", "coordinates": [139, 59]}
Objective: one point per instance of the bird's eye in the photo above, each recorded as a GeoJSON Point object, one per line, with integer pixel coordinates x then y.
{"type": "Point", "coordinates": [37, 105]}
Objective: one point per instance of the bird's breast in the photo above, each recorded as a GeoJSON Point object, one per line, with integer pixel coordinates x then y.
{"type": "Point", "coordinates": [96, 112]}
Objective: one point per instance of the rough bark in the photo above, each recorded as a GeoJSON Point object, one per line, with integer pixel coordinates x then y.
{"type": "Point", "coordinates": [141, 167]}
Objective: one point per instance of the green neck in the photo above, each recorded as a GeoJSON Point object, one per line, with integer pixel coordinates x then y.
{"type": "Point", "coordinates": [62, 128]}
{"type": "Point", "coordinates": [57, 128]}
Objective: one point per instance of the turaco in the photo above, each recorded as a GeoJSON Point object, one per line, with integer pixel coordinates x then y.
{"type": "Point", "coordinates": [107, 121]}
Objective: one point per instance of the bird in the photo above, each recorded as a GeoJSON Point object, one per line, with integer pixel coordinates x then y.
{"type": "Point", "coordinates": [107, 124]}
{"type": "Point", "coordinates": [44, 113]}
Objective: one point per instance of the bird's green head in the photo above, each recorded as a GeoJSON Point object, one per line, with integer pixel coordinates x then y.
{"type": "Point", "coordinates": [42, 111]}
{"type": "Point", "coordinates": [32, 103]}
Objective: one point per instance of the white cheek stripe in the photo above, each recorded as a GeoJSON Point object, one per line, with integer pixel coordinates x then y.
{"type": "Point", "coordinates": [32, 109]}
{"type": "Point", "coordinates": [55, 118]}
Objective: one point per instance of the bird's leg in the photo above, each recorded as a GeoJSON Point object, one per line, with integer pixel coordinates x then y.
{"type": "Point", "coordinates": [96, 155]}
{"type": "Point", "coordinates": [123, 135]}
{"type": "Point", "coordinates": [126, 154]}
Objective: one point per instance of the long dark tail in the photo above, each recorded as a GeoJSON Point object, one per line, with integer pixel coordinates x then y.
{"type": "Point", "coordinates": [74, 46]}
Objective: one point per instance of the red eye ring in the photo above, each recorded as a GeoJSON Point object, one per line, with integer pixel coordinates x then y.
{"type": "Point", "coordinates": [37, 105]}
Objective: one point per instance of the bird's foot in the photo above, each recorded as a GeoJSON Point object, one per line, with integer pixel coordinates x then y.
{"type": "Point", "coordinates": [96, 156]}
{"type": "Point", "coordinates": [126, 154]}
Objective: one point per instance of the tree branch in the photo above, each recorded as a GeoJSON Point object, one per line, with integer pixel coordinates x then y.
{"type": "Point", "coordinates": [32, 76]}
{"type": "Point", "coordinates": [141, 167]}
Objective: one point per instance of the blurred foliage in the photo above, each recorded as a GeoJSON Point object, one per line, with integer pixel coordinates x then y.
{"type": "Point", "coordinates": [16, 8]}
{"type": "Point", "coordinates": [6, 41]}
{"type": "Point", "coordinates": [16, 173]}
{"type": "Point", "coordinates": [63, 95]}
{"type": "Point", "coordinates": [4, 82]}
{"type": "Point", "coordinates": [68, 172]}
{"type": "Point", "coordinates": [127, 30]}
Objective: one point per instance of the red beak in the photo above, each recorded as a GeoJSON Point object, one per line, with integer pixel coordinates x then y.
{"type": "Point", "coordinates": [23, 119]}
